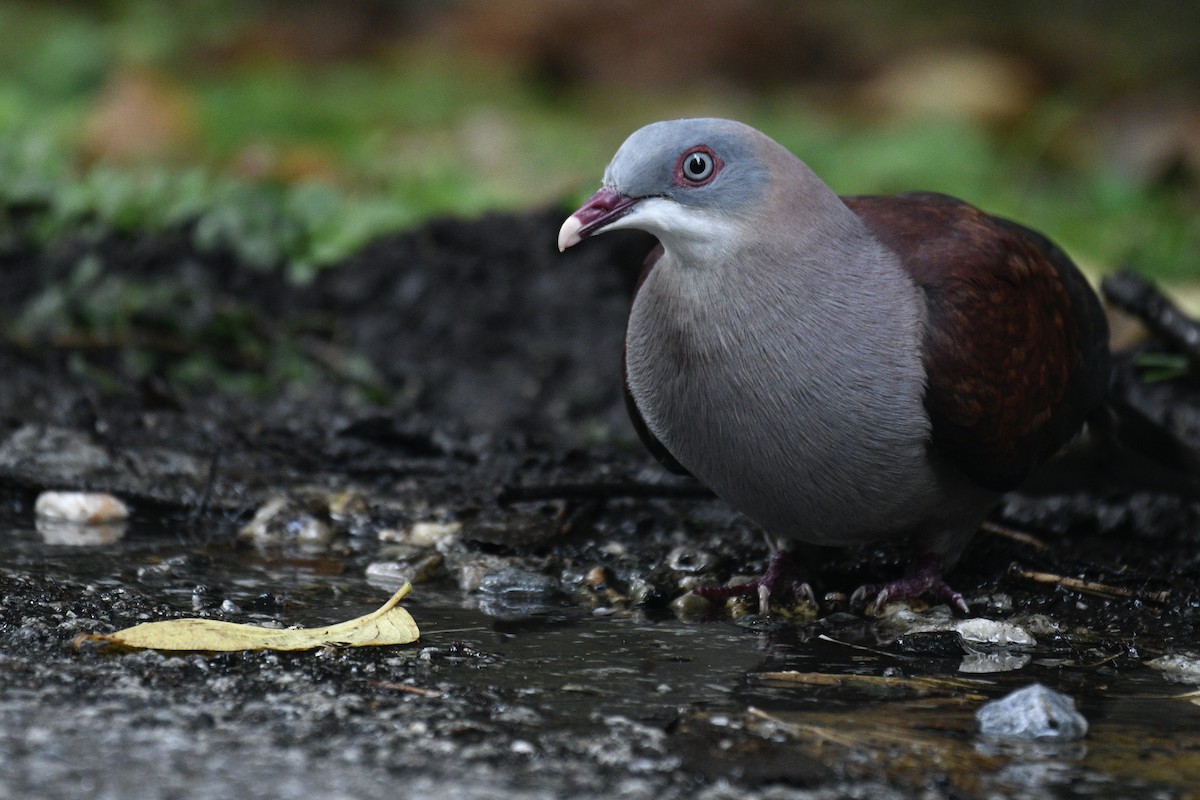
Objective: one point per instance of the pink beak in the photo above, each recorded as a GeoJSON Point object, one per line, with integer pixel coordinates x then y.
{"type": "Point", "coordinates": [603, 208]}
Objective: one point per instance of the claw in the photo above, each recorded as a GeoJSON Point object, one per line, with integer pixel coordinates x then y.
{"type": "Point", "coordinates": [771, 584]}
{"type": "Point", "coordinates": [804, 591]}
{"type": "Point", "coordinates": [924, 578]}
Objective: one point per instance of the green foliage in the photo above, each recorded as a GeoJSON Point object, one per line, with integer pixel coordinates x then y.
{"type": "Point", "coordinates": [1163, 366]}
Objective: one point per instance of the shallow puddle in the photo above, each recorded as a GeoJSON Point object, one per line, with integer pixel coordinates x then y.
{"type": "Point", "coordinates": [717, 702]}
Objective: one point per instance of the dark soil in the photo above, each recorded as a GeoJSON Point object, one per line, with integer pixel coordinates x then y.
{"type": "Point", "coordinates": [468, 373]}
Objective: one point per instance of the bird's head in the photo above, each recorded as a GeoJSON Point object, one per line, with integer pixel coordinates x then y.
{"type": "Point", "coordinates": [689, 182]}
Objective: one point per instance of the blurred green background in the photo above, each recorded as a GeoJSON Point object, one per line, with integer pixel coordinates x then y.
{"type": "Point", "coordinates": [294, 131]}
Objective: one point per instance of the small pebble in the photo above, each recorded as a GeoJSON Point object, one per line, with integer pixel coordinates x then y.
{"type": "Point", "coordinates": [344, 506]}
{"type": "Point", "coordinates": [395, 573]}
{"type": "Point", "coordinates": [87, 508]}
{"type": "Point", "coordinates": [598, 578]}
{"type": "Point", "coordinates": [472, 572]}
{"type": "Point", "coordinates": [1032, 713]}
{"type": "Point", "coordinates": [513, 582]}
{"type": "Point", "coordinates": [691, 560]}
{"type": "Point", "coordinates": [431, 534]}
{"type": "Point", "coordinates": [999, 602]}
{"type": "Point", "coordinates": [284, 521]}
{"type": "Point", "coordinates": [689, 582]}
{"type": "Point", "coordinates": [691, 605]}
{"type": "Point", "coordinates": [515, 593]}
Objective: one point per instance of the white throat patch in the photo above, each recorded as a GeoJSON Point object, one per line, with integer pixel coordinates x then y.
{"type": "Point", "coordinates": [689, 235]}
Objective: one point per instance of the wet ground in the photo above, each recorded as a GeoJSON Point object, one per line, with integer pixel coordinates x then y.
{"type": "Point", "coordinates": [459, 424]}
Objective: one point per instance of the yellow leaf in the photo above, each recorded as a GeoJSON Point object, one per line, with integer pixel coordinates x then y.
{"type": "Point", "coordinates": [391, 624]}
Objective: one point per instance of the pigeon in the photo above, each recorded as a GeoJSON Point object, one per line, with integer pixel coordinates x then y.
{"type": "Point", "coordinates": [842, 370]}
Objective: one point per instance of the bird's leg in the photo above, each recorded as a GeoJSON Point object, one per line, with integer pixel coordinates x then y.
{"type": "Point", "coordinates": [773, 582]}
{"type": "Point", "coordinates": [924, 578]}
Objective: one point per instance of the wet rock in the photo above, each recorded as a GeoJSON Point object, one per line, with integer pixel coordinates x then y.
{"type": "Point", "coordinates": [80, 519]}
{"type": "Point", "coordinates": [644, 591]}
{"type": "Point", "coordinates": [969, 632]}
{"type": "Point", "coordinates": [1183, 667]}
{"type": "Point", "coordinates": [1038, 624]}
{"type": "Point", "coordinates": [992, 632]}
{"type": "Point", "coordinates": [691, 606]}
{"type": "Point", "coordinates": [513, 592]}
{"type": "Point", "coordinates": [930, 643]}
{"type": "Point", "coordinates": [66, 454]}
{"type": "Point", "coordinates": [87, 508]}
{"type": "Point", "coordinates": [601, 586]}
{"type": "Point", "coordinates": [514, 582]}
{"type": "Point", "coordinates": [420, 568]}
{"type": "Point", "coordinates": [347, 506]}
{"type": "Point", "coordinates": [473, 569]}
{"type": "Point", "coordinates": [204, 597]}
{"type": "Point", "coordinates": [423, 534]}
{"type": "Point", "coordinates": [288, 522]}
{"type": "Point", "coordinates": [999, 602]}
{"type": "Point", "coordinates": [1032, 713]}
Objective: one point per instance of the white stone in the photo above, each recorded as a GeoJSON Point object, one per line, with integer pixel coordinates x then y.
{"type": "Point", "coordinates": [87, 508]}
{"type": "Point", "coordinates": [1178, 666]}
{"type": "Point", "coordinates": [1031, 713]}
{"type": "Point", "coordinates": [430, 534]}
{"type": "Point", "coordinates": [986, 631]}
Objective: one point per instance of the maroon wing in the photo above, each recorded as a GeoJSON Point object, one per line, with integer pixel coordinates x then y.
{"type": "Point", "coordinates": [656, 448]}
{"type": "Point", "coordinates": [1016, 343]}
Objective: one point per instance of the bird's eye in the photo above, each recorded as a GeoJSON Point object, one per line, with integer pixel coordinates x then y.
{"type": "Point", "coordinates": [697, 166]}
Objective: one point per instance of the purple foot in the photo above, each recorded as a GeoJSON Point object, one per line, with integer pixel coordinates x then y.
{"type": "Point", "coordinates": [924, 578]}
{"type": "Point", "coordinates": [773, 583]}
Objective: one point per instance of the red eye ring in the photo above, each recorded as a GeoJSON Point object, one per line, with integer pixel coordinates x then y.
{"type": "Point", "coordinates": [697, 166]}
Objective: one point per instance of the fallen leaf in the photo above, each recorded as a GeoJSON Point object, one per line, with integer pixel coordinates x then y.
{"type": "Point", "coordinates": [390, 624]}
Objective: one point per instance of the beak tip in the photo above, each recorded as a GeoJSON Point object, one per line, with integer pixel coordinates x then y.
{"type": "Point", "coordinates": [568, 234]}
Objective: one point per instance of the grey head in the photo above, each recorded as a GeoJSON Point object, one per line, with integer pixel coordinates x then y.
{"type": "Point", "coordinates": [694, 162]}
{"type": "Point", "coordinates": [700, 186]}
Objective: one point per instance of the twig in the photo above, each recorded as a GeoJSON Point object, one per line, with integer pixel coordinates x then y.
{"type": "Point", "coordinates": [820, 731]}
{"type": "Point", "coordinates": [1089, 587]}
{"type": "Point", "coordinates": [404, 687]}
{"type": "Point", "coordinates": [1165, 320]}
{"type": "Point", "coordinates": [898, 656]}
{"type": "Point", "coordinates": [1015, 535]}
